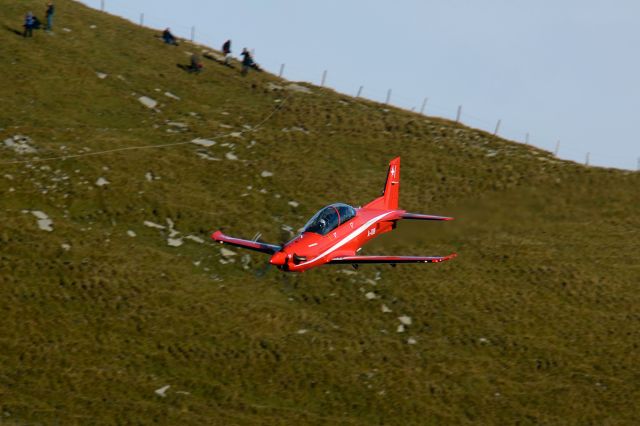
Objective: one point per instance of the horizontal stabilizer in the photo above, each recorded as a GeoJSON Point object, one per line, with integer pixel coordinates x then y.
{"type": "Point", "coordinates": [251, 245]}
{"type": "Point", "coordinates": [390, 259]}
{"type": "Point", "coordinates": [418, 216]}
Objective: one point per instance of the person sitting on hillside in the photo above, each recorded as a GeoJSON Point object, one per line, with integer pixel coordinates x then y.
{"type": "Point", "coordinates": [168, 37]}
{"type": "Point", "coordinates": [226, 51]}
{"type": "Point", "coordinates": [28, 25]}
{"type": "Point", "coordinates": [37, 25]}
{"type": "Point", "coordinates": [196, 64]}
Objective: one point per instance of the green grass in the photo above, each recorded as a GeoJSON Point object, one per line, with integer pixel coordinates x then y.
{"type": "Point", "coordinates": [536, 321]}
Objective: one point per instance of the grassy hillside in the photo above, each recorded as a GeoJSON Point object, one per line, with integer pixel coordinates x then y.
{"type": "Point", "coordinates": [536, 321]}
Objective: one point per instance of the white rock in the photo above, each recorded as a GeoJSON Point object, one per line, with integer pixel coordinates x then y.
{"type": "Point", "coordinates": [131, 233]}
{"type": "Point", "coordinates": [484, 340]}
{"type": "Point", "coordinates": [293, 204]}
{"type": "Point", "coordinates": [65, 246]}
{"type": "Point", "coordinates": [273, 86]}
{"type": "Point", "coordinates": [178, 124]}
{"type": "Point", "coordinates": [194, 238]}
{"type": "Point", "coordinates": [44, 222]}
{"type": "Point", "coordinates": [411, 341]}
{"type": "Point", "coordinates": [20, 144]}
{"type": "Point", "coordinates": [101, 75]}
{"type": "Point", "coordinates": [386, 309]}
{"type": "Point", "coordinates": [400, 329]}
{"type": "Point", "coordinates": [265, 174]}
{"type": "Point", "coordinates": [236, 134]}
{"type": "Point", "coordinates": [174, 242]}
{"type": "Point", "coordinates": [203, 142]}
{"type": "Point", "coordinates": [298, 88]}
{"type": "Point", "coordinates": [302, 331]}
{"type": "Point", "coordinates": [206, 156]}
{"type": "Point", "coordinates": [287, 228]}
{"type": "Point", "coordinates": [172, 96]}
{"type": "Point", "coordinates": [371, 295]}
{"type": "Point", "coordinates": [102, 182]}
{"type": "Point", "coordinates": [93, 27]}
{"type": "Point", "coordinates": [152, 225]}
{"type": "Point", "coordinates": [231, 156]}
{"type": "Point", "coordinates": [405, 320]}
{"type": "Point", "coordinates": [39, 214]}
{"type": "Point", "coordinates": [66, 30]}
{"type": "Point", "coordinates": [227, 253]}
{"type": "Point", "coordinates": [148, 102]}
{"type": "Point", "coordinates": [162, 391]}
{"type": "Point", "coordinates": [148, 176]}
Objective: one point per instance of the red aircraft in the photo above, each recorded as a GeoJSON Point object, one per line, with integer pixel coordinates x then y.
{"type": "Point", "coordinates": [335, 234]}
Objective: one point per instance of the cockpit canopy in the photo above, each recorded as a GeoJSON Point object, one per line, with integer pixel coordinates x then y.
{"type": "Point", "coordinates": [329, 218]}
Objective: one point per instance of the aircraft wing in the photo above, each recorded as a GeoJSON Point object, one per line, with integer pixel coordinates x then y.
{"type": "Point", "coordinates": [418, 216]}
{"type": "Point", "coordinates": [248, 244]}
{"type": "Point", "coordinates": [390, 259]}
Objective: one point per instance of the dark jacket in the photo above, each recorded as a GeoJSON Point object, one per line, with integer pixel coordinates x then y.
{"type": "Point", "coordinates": [247, 60]}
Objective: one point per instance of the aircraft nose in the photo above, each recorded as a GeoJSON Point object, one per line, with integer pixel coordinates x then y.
{"type": "Point", "coordinates": [280, 258]}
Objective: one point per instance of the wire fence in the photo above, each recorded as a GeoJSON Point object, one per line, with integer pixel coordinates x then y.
{"type": "Point", "coordinates": [422, 105]}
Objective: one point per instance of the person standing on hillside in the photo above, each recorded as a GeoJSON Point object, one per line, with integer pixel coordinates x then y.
{"type": "Point", "coordinates": [28, 25]}
{"type": "Point", "coordinates": [226, 51]}
{"type": "Point", "coordinates": [50, 11]}
{"type": "Point", "coordinates": [247, 61]}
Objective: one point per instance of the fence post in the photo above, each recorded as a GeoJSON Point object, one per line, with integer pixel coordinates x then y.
{"type": "Point", "coordinates": [359, 91]}
{"type": "Point", "coordinates": [424, 104]}
{"type": "Point", "coordinates": [281, 71]}
{"type": "Point", "coordinates": [324, 78]}
{"type": "Point", "coordinates": [459, 113]}
{"type": "Point", "coordinates": [388, 97]}
{"type": "Point", "coordinates": [526, 138]}
{"type": "Point", "coordinates": [193, 33]}
{"type": "Point", "coordinates": [555, 153]}
{"type": "Point", "coordinates": [102, 5]}
{"type": "Point", "coordinates": [495, 132]}
{"type": "Point", "coordinates": [586, 161]}
{"type": "Point", "coordinates": [142, 19]}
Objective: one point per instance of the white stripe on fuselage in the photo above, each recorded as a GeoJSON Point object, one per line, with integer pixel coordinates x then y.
{"type": "Point", "coordinates": [346, 239]}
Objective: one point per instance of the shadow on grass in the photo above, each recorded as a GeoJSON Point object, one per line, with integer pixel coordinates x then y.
{"type": "Point", "coordinates": [13, 30]}
{"type": "Point", "coordinates": [189, 69]}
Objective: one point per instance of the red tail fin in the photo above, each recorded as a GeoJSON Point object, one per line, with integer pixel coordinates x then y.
{"type": "Point", "coordinates": [391, 193]}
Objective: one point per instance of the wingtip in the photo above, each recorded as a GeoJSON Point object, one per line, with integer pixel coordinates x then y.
{"type": "Point", "coordinates": [216, 236]}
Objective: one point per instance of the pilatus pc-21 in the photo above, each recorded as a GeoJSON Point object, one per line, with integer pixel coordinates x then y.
{"type": "Point", "coordinates": [335, 234]}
